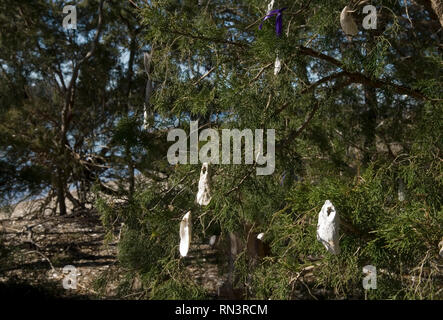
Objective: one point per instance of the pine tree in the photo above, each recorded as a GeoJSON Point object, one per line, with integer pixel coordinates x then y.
{"type": "Point", "coordinates": [352, 120]}
{"type": "Point", "coordinates": [70, 88]}
{"type": "Point", "coordinates": [357, 122]}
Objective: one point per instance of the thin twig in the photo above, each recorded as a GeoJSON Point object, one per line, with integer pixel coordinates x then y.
{"type": "Point", "coordinates": [421, 272]}
{"type": "Point", "coordinates": [45, 257]}
{"type": "Point", "coordinates": [310, 40]}
{"type": "Point", "coordinates": [260, 72]}
{"type": "Point", "coordinates": [407, 12]}
{"type": "Point", "coordinates": [205, 75]}
{"type": "Point", "coordinates": [134, 4]}
{"type": "Point", "coordinates": [309, 291]}
{"type": "Point", "coordinates": [242, 180]}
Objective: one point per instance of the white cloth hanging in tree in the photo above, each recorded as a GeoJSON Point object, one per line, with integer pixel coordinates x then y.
{"type": "Point", "coordinates": [440, 246]}
{"type": "Point", "coordinates": [204, 188]}
{"type": "Point", "coordinates": [212, 240]}
{"type": "Point", "coordinates": [145, 118]}
{"type": "Point", "coordinates": [347, 22]}
{"type": "Point", "coordinates": [277, 66]}
{"type": "Point", "coordinates": [328, 228]}
{"type": "Point", "coordinates": [270, 5]}
{"type": "Point", "coordinates": [185, 234]}
{"type": "Point", "coordinates": [401, 190]}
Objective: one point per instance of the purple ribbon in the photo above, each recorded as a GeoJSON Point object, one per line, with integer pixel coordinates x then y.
{"type": "Point", "coordinates": [278, 20]}
{"type": "Point", "coordinates": [282, 180]}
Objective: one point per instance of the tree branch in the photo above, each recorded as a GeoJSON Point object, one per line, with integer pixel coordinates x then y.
{"type": "Point", "coordinates": [357, 77]}
{"type": "Point", "coordinates": [205, 75]}
{"type": "Point", "coordinates": [87, 56]}
{"type": "Point", "coordinates": [312, 87]}
{"type": "Point", "coordinates": [239, 44]}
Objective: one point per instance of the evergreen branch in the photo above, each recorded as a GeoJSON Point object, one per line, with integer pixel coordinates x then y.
{"type": "Point", "coordinates": [166, 192]}
{"type": "Point", "coordinates": [357, 77]}
{"type": "Point", "coordinates": [308, 119]}
{"type": "Point", "coordinates": [91, 51]}
{"type": "Point", "coordinates": [205, 75]}
{"type": "Point", "coordinates": [197, 37]}
{"type": "Point", "coordinates": [309, 290]}
{"type": "Point", "coordinates": [255, 162]}
{"type": "Point", "coordinates": [133, 3]}
{"type": "Point", "coordinates": [304, 7]}
{"type": "Point", "coordinates": [294, 134]}
{"type": "Point", "coordinates": [242, 180]}
{"type": "Point", "coordinates": [58, 72]}
{"type": "Point", "coordinates": [312, 87]}
{"type": "Point", "coordinates": [260, 72]}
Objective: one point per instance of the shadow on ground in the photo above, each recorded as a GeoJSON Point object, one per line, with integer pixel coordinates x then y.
{"type": "Point", "coordinates": [16, 289]}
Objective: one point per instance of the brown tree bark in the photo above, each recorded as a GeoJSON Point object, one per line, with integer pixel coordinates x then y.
{"type": "Point", "coordinates": [434, 7]}
{"type": "Point", "coordinates": [133, 49]}
{"type": "Point", "coordinates": [66, 117]}
{"type": "Point", "coordinates": [437, 6]}
{"type": "Point", "coordinates": [61, 192]}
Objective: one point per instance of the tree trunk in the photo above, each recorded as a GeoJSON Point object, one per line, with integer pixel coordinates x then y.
{"type": "Point", "coordinates": [133, 48]}
{"type": "Point", "coordinates": [369, 123]}
{"type": "Point", "coordinates": [131, 173]}
{"type": "Point", "coordinates": [370, 114]}
{"type": "Point", "coordinates": [434, 7]}
{"type": "Point", "coordinates": [437, 6]}
{"type": "Point", "coordinates": [61, 192]}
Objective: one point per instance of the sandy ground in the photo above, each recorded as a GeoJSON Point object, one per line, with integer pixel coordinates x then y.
{"type": "Point", "coordinates": [42, 245]}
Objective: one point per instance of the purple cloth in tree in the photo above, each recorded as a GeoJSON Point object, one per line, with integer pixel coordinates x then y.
{"type": "Point", "coordinates": [278, 20]}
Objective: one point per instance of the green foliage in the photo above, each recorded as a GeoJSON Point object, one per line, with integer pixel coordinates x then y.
{"type": "Point", "coordinates": [353, 121]}
{"type": "Point", "coordinates": [378, 229]}
{"type": "Point", "coordinates": [216, 67]}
